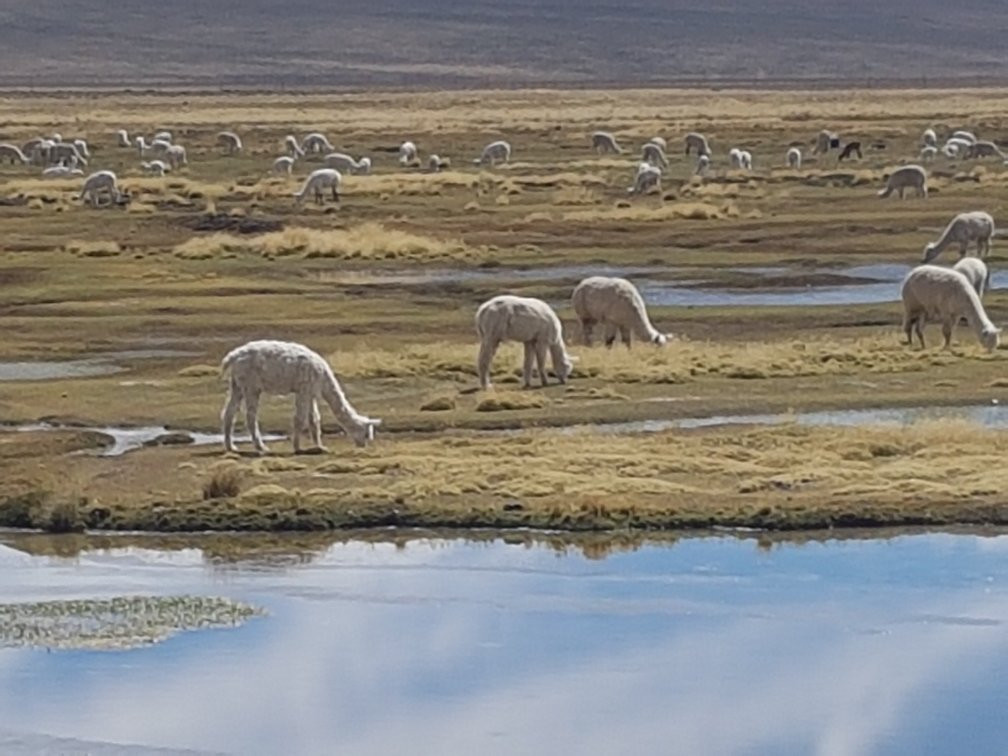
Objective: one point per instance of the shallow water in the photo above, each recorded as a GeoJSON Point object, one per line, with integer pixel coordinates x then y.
{"type": "Point", "coordinates": [48, 371]}
{"type": "Point", "coordinates": [129, 439]}
{"type": "Point", "coordinates": [883, 283]}
{"type": "Point", "coordinates": [711, 645]}
{"type": "Point", "coordinates": [986, 415]}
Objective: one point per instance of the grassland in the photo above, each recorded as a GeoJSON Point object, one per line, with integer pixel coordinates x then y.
{"type": "Point", "coordinates": [386, 283]}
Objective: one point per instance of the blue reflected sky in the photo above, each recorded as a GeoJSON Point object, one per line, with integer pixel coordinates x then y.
{"type": "Point", "coordinates": [711, 646]}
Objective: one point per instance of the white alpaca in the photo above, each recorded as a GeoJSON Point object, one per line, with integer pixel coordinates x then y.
{"type": "Point", "coordinates": [176, 156]}
{"type": "Point", "coordinates": [929, 138]}
{"type": "Point", "coordinates": [141, 145]}
{"type": "Point", "coordinates": [976, 273]}
{"type": "Point", "coordinates": [958, 146]}
{"type": "Point", "coordinates": [13, 153]}
{"type": "Point", "coordinates": [164, 136]}
{"type": "Point", "coordinates": [230, 141]}
{"type": "Point", "coordinates": [648, 177]}
{"type": "Point", "coordinates": [702, 164]}
{"type": "Point", "coordinates": [652, 154]}
{"type": "Point", "coordinates": [493, 153]}
{"type": "Point", "coordinates": [408, 153]}
{"type": "Point", "coordinates": [82, 147]}
{"type": "Point", "coordinates": [908, 177]}
{"type": "Point", "coordinates": [950, 150]}
{"type": "Point", "coordinates": [343, 162]}
{"type": "Point", "coordinates": [966, 136]}
{"type": "Point", "coordinates": [603, 142]}
{"type": "Point", "coordinates": [61, 171]}
{"type": "Point", "coordinates": [698, 143]}
{"type": "Point", "coordinates": [436, 163]}
{"type": "Point", "coordinates": [101, 182]}
{"type": "Point", "coordinates": [155, 168]}
{"type": "Point", "coordinates": [931, 292]}
{"type": "Point", "coordinates": [315, 142]}
{"type": "Point", "coordinates": [735, 157]}
{"type": "Point", "coordinates": [618, 306]}
{"type": "Point", "coordinates": [983, 148]}
{"type": "Point", "coordinates": [794, 158]}
{"type": "Point", "coordinates": [283, 164]}
{"type": "Point", "coordinates": [928, 153]}
{"type": "Point", "coordinates": [746, 160]}
{"type": "Point", "coordinates": [37, 150]}
{"type": "Point", "coordinates": [976, 226]}
{"type": "Point", "coordinates": [660, 141]}
{"type": "Point", "coordinates": [317, 182]}
{"type": "Point", "coordinates": [530, 321]}
{"type": "Point", "coordinates": [283, 367]}
{"type": "Point", "coordinates": [123, 136]}
{"type": "Point", "coordinates": [292, 147]}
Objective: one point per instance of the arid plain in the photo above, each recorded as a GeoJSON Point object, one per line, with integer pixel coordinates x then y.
{"type": "Point", "coordinates": [143, 300]}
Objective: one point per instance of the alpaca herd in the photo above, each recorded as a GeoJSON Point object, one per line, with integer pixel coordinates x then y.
{"type": "Point", "coordinates": [929, 291]}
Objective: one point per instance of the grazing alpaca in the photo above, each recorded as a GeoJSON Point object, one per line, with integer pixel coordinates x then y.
{"type": "Point", "coordinates": [648, 177]}
{"type": "Point", "coordinates": [317, 182]}
{"type": "Point", "coordinates": [530, 321]}
{"type": "Point", "coordinates": [283, 367]}
{"type": "Point", "coordinates": [618, 306]}
{"type": "Point", "coordinates": [495, 152]}
{"type": "Point", "coordinates": [931, 292]}
{"type": "Point", "coordinates": [99, 183]}
{"type": "Point", "coordinates": [851, 148]}
{"type": "Point", "coordinates": [702, 164]}
{"type": "Point", "coordinates": [794, 158]}
{"type": "Point", "coordinates": [230, 141]}
{"type": "Point", "coordinates": [976, 226]}
{"type": "Point", "coordinates": [698, 143]}
{"type": "Point", "coordinates": [603, 142]}
{"type": "Point", "coordinates": [652, 154]}
{"type": "Point", "coordinates": [909, 176]}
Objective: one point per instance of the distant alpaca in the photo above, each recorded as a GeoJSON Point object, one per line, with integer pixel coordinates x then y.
{"type": "Point", "coordinates": [929, 138]}
{"type": "Point", "coordinates": [794, 158]}
{"type": "Point", "coordinates": [603, 142]}
{"type": "Point", "coordinates": [231, 142]}
{"type": "Point", "coordinates": [648, 177]}
{"type": "Point", "coordinates": [702, 164]}
{"type": "Point", "coordinates": [654, 155]}
{"type": "Point", "coordinates": [851, 148]}
{"type": "Point", "coordinates": [282, 367]}
{"type": "Point", "coordinates": [909, 176]}
{"type": "Point", "coordinates": [698, 143]}
{"type": "Point", "coordinates": [292, 147]}
{"type": "Point", "coordinates": [317, 182]}
{"type": "Point", "coordinates": [283, 164]}
{"type": "Point", "coordinates": [495, 152]}
{"type": "Point", "coordinates": [408, 153]}
{"type": "Point", "coordinates": [825, 141]}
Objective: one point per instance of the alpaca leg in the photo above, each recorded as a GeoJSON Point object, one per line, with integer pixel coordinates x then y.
{"type": "Point", "coordinates": [527, 364]}
{"type": "Point", "coordinates": [252, 421]}
{"type": "Point", "coordinates": [908, 324]}
{"type": "Point", "coordinates": [947, 325]}
{"type": "Point", "coordinates": [919, 327]}
{"type": "Point", "coordinates": [315, 426]}
{"type": "Point", "coordinates": [586, 331]}
{"type": "Point", "coordinates": [609, 334]}
{"type": "Point", "coordinates": [335, 194]}
{"type": "Point", "coordinates": [234, 401]}
{"type": "Point", "coordinates": [625, 336]}
{"type": "Point", "coordinates": [486, 355]}
{"type": "Point", "coordinates": [540, 353]}
{"type": "Point", "coordinates": [302, 411]}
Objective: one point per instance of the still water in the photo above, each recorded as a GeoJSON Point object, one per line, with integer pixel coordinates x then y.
{"type": "Point", "coordinates": [706, 645]}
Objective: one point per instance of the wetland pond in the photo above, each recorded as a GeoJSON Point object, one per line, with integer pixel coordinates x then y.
{"type": "Point", "coordinates": [714, 644]}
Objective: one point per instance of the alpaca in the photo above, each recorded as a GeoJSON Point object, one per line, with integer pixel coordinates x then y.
{"type": "Point", "coordinates": [928, 153]}
{"type": "Point", "coordinates": [794, 158]}
{"type": "Point", "coordinates": [931, 292]}
{"type": "Point", "coordinates": [851, 148]}
{"type": "Point", "coordinates": [316, 142]}
{"type": "Point", "coordinates": [825, 141]}
{"type": "Point", "coordinates": [698, 143]}
{"type": "Point", "coordinates": [100, 183]}
{"type": "Point", "coordinates": [283, 367]}
{"type": "Point", "coordinates": [603, 142]}
{"type": "Point", "coordinates": [976, 272]}
{"type": "Point", "coordinates": [530, 321]}
{"type": "Point", "coordinates": [652, 154]}
{"type": "Point", "coordinates": [155, 168]}
{"type": "Point", "coordinates": [292, 147]}
{"type": "Point", "coordinates": [909, 176]}
{"type": "Point", "coordinates": [929, 138]}
{"type": "Point", "coordinates": [495, 152]}
{"type": "Point", "coordinates": [702, 164]}
{"type": "Point", "coordinates": [648, 177]}
{"type": "Point", "coordinates": [616, 303]}
{"type": "Point", "coordinates": [317, 182]}
{"type": "Point", "coordinates": [343, 162]}
{"type": "Point", "coordinates": [230, 141]}
{"type": "Point", "coordinates": [283, 164]}
{"type": "Point", "coordinates": [408, 153]}
{"type": "Point", "coordinates": [123, 136]}
{"type": "Point", "coordinates": [13, 153]}
{"type": "Point", "coordinates": [976, 226]}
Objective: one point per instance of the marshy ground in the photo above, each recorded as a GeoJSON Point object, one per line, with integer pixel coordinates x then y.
{"type": "Point", "coordinates": [149, 297]}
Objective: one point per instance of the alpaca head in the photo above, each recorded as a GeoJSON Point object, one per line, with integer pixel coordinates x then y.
{"type": "Point", "coordinates": [364, 165]}
{"type": "Point", "coordinates": [364, 431]}
{"type": "Point", "coordinates": [930, 252]}
{"type": "Point", "coordinates": [990, 337]}
{"type": "Point", "coordinates": [660, 339]}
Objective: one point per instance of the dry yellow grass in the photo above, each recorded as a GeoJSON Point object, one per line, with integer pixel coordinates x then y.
{"type": "Point", "coordinates": [365, 241]}
{"type": "Point", "coordinates": [650, 208]}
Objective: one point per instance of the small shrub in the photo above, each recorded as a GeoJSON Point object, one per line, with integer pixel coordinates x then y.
{"type": "Point", "coordinates": [224, 483]}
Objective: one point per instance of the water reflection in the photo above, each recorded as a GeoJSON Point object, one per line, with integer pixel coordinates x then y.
{"type": "Point", "coordinates": [424, 645]}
